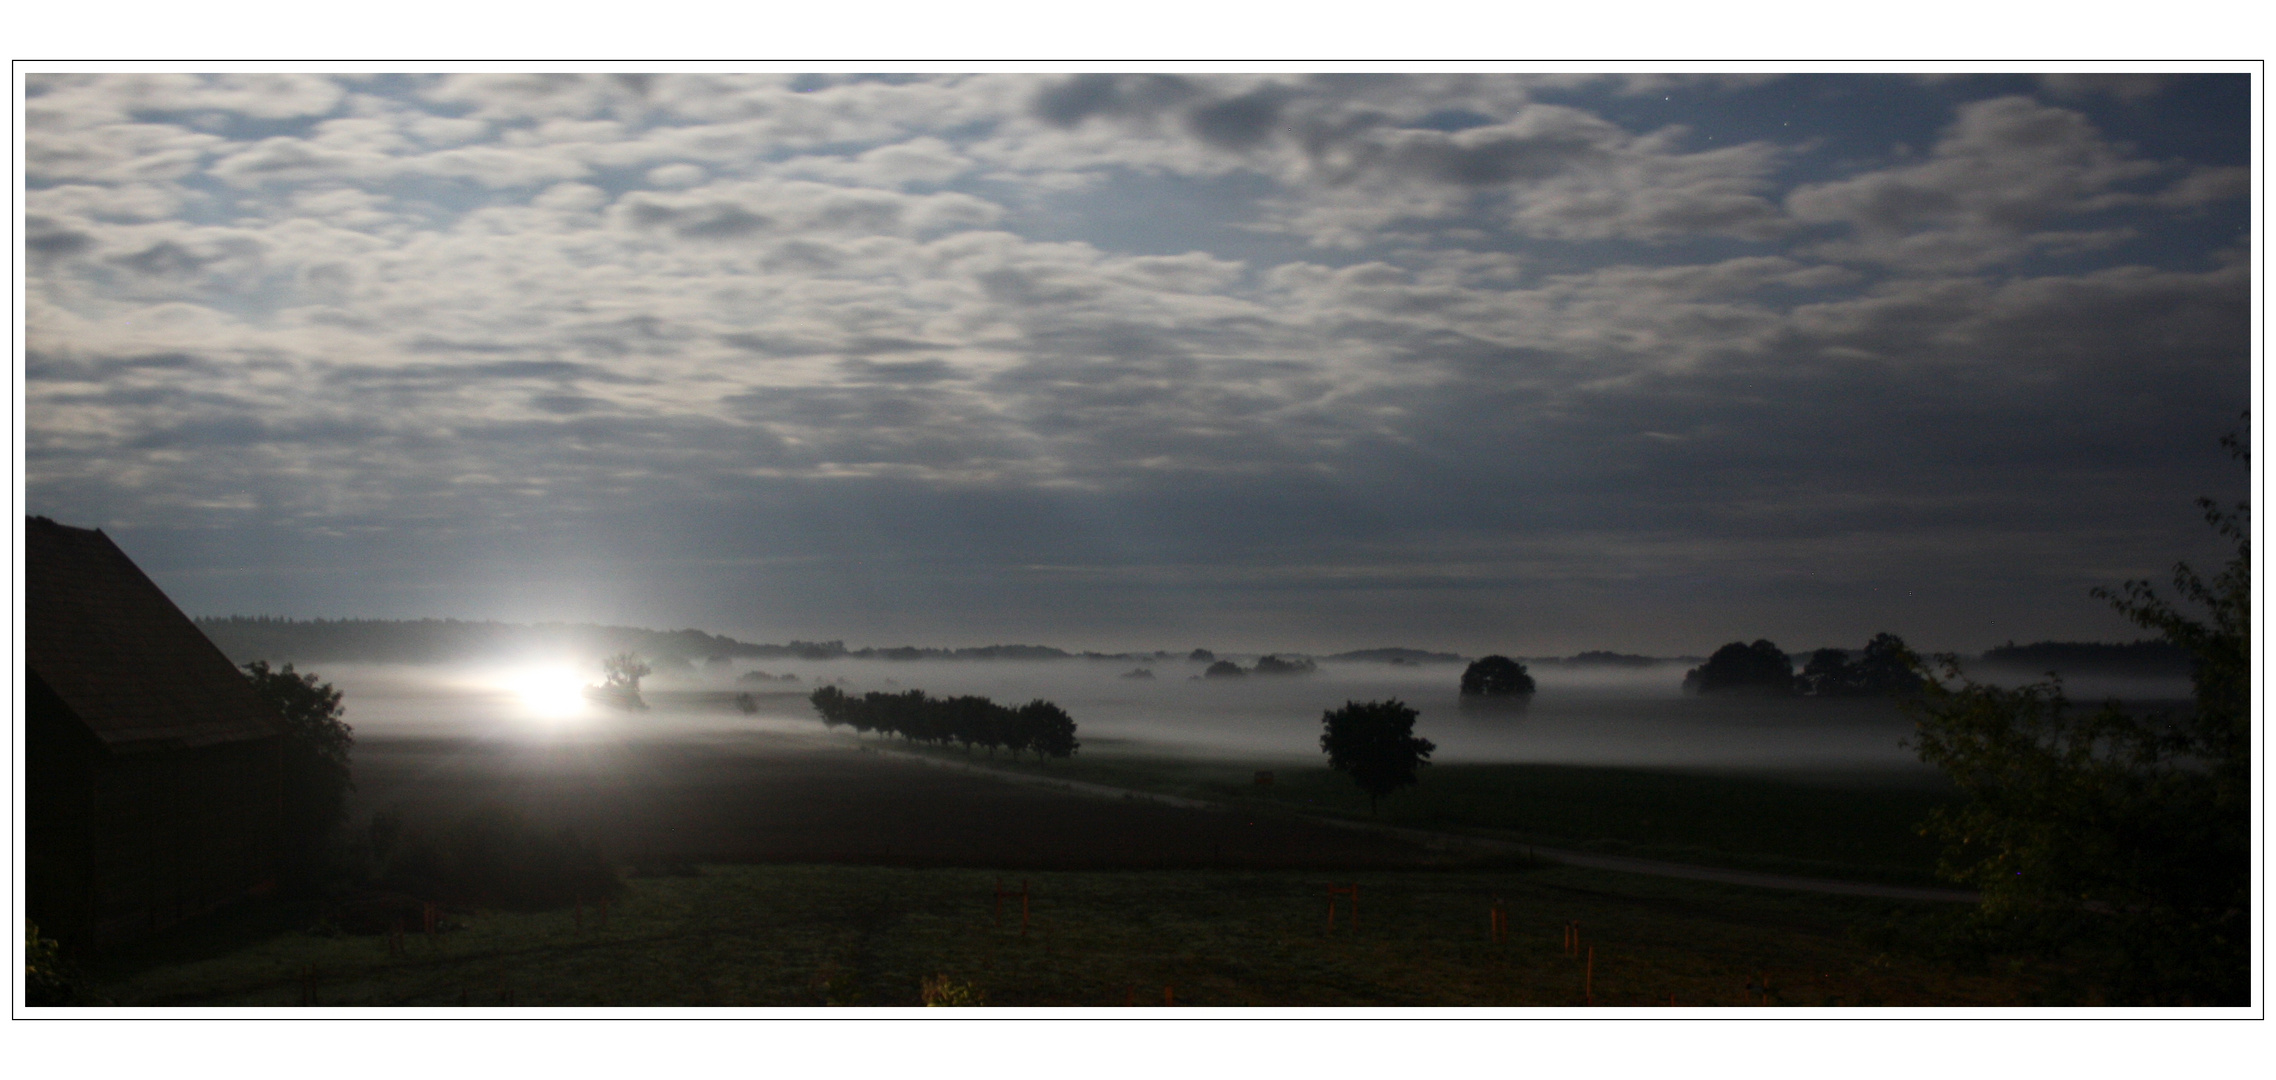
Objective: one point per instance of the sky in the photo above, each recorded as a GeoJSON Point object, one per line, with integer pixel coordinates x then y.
{"type": "Point", "coordinates": [1484, 363]}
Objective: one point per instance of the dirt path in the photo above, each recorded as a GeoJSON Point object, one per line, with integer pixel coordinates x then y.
{"type": "Point", "coordinates": [1447, 841]}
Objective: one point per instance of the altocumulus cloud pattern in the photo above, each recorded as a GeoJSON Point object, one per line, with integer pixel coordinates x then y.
{"type": "Point", "coordinates": [1112, 360]}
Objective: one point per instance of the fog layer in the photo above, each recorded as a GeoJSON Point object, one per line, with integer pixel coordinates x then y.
{"type": "Point", "coordinates": [1631, 717]}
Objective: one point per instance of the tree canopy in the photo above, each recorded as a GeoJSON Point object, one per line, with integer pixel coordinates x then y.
{"type": "Point", "coordinates": [1496, 677]}
{"type": "Point", "coordinates": [1884, 668]}
{"type": "Point", "coordinates": [969, 721]}
{"type": "Point", "coordinates": [1738, 667]}
{"type": "Point", "coordinates": [1285, 665]}
{"type": "Point", "coordinates": [317, 745]}
{"type": "Point", "coordinates": [1374, 742]}
{"type": "Point", "coordinates": [2115, 841]}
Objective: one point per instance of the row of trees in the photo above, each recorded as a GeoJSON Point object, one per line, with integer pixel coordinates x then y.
{"type": "Point", "coordinates": [1274, 664]}
{"type": "Point", "coordinates": [1883, 668]}
{"type": "Point", "coordinates": [969, 721]}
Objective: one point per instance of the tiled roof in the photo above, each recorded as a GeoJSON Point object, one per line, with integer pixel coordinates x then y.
{"type": "Point", "coordinates": [127, 662]}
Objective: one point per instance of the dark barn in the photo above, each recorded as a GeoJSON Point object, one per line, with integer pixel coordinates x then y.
{"type": "Point", "coordinates": [152, 770]}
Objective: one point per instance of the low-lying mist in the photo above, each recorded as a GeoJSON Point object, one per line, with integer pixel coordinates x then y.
{"type": "Point", "coordinates": [1580, 716]}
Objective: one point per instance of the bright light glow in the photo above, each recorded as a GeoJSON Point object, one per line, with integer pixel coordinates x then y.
{"type": "Point", "coordinates": [553, 693]}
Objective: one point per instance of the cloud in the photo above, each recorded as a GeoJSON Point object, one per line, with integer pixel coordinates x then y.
{"type": "Point", "coordinates": [1425, 335]}
{"type": "Point", "coordinates": [2124, 87]}
{"type": "Point", "coordinates": [2000, 176]}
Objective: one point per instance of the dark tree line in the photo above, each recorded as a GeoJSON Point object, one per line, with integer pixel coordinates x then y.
{"type": "Point", "coordinates": [1038, 726]}
{"type": "Point", "coordinates": [1883, 668]}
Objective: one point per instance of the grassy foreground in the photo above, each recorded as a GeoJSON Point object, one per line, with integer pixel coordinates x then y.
{"type": "Point", "coordinates": [1850, 828]}
{"type": "Point", "coordinates": [850, 935]}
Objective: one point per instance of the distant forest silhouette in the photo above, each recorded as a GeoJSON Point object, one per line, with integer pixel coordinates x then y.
{"type": "Point", "coordinates": [425, 641]}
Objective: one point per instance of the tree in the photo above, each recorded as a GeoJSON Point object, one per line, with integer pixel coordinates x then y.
{"type": "Point", "coordinates": [1828, 674]}
{"type": "Point", "coordinates": [1496, 677]}
{"type": "Point", "coordinates": [1285, 665]}
{"type": "Point", "coordinates": [2120, 842]}
{"type": "Point", "coordinates": [1052, 731]}
{"type": "Point", "coordinates": [316, 778]}
{"type": "Point", "coordinates": [1374, 742]}
{"type": "Point", "coordinates": [1884, 668]}
{"type": "Point", "coordinates": [1223, 669]}
{"type": "Point", "coordinates": [1741, 668]}
{"type": "Point", "coordinates": [624, 671]}
{"type": "Point", "coordinates": [620, 684]}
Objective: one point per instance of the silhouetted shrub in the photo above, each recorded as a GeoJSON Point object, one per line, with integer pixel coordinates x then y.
{"type": "Point", "coordinates": [1223, 669]}
{"type": "Point", "coordinates": [49, 979]}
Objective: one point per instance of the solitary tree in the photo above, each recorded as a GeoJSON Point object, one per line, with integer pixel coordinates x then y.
{"type": "Point", "coordinates": [316, 776]}
{"type": "Point", "coordinates": [1496, 677]}
{"type": "Point", "coordinates": [625, 670]}
{"type": "Point", "coordinates": [621, 675]}
{"type": "Point", "coordinates": [1374, 742]}
{"type": "Point", "coordinates": [1224, 669]}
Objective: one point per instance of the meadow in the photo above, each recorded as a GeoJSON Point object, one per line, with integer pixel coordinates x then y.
{"type": "Point", "coordinates": [808, 935]}
{"type": "Point", "coordinates": [1854, 825]}
{"type": "Point", "coordinates": [840, 870]}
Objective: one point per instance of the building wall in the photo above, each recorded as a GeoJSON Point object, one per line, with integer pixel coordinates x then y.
{"type": "Point", "coordinates": [180, 833]}
{"type": "Point", "coordinates": [119, 845]}
{"type": "Point", "coordinates": [59, 818]}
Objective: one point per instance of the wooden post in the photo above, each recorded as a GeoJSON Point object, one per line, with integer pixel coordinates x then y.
{"type": "Point", "coordinates": [1588, 982]}
{"type": "Point", "coordinates": [1168, 998]}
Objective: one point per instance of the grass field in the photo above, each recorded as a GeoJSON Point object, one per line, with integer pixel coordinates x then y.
{"type": "Point", "coordinates": [806, 935]}
{"type": "Point", "coordinates": [1859, 827]}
